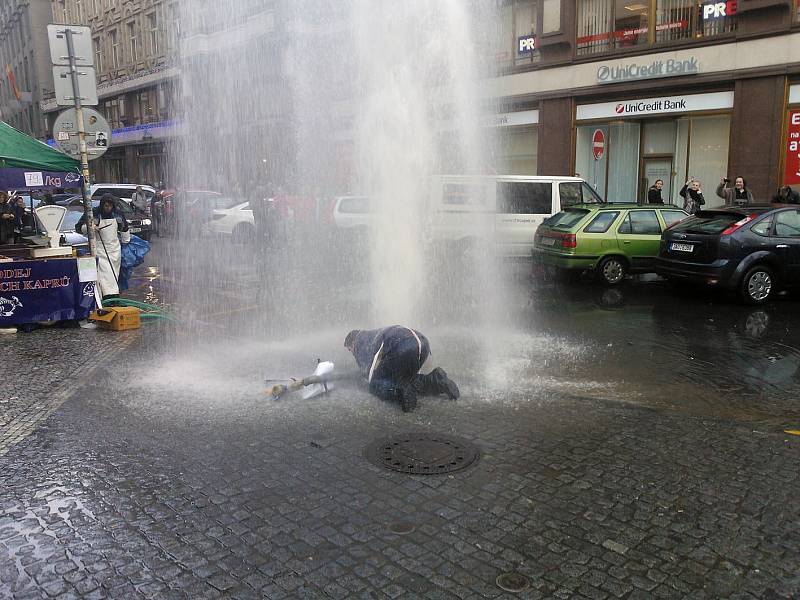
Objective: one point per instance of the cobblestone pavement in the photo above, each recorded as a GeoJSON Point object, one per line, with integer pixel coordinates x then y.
{"type": "Point", "coordinates": [54, 360]}
{"type": "Point", "coordinates": [172, 477]}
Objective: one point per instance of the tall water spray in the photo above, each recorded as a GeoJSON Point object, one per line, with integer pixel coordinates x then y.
{"type": "Point", "coordinates": [310, 99]}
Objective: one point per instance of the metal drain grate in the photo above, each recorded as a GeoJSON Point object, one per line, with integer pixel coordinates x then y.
{"type": "Point", "coordinates": [422, 453]}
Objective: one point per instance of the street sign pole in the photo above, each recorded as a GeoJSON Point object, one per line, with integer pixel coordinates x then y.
{"type": "Point", "coordinates": [87, 203]}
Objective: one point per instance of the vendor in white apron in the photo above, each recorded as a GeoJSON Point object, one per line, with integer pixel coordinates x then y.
{"type": "Point", "coordinates": [110, 228]}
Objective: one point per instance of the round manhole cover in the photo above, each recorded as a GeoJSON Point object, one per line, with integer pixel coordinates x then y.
{"type": "Point", "coordinates": [401, 527]}
{"type": "Point", "coordinates": [422, 453]}
{"type": "Point", "coordinates": [513, 582]}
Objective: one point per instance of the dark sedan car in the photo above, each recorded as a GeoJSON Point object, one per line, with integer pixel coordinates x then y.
{"type": "Point", "coordinates": [753, 250]}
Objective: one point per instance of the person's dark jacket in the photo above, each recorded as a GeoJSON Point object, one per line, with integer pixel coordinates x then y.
{"type": "Point", "coordinates": [734, 197]}
{"type": "Point", "coordinates": [122, 222]}
{"type": "Point", "coordinates": [379, 346]}
{"type": "Point", "coordinates": [654, 196]}
{"type": "Point", "coordinates": [696, 197]}
{"type": "Point", "coordinates": [19, 216]}
{"type": "Point", "coordinates": [6, 225]}
{"type": "Point", "coordinates": [791, 197]}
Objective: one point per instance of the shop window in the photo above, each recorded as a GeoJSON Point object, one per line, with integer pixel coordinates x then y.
{"type": "Point", "coordinates": [605, 25]}
{"type": "Point", "coordinates": [524, 198]}
{"type": "Point", "coordinates": [517, 152]}
{"type": "Point", "coordinates": [708, 154]}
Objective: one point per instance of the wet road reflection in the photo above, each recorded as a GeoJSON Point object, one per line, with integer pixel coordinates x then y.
{"type": "Point", "coordinates": [642, 342]}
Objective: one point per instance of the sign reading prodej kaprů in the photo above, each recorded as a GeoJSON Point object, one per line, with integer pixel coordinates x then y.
{"type": "Point", "coordinates": [43, 290]}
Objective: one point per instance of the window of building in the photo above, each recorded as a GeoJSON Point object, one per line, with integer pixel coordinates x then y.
{"type": "Point", "coordinates": [96, 9]}
{"type": "Point", "coordinates": [551, 16]}
{"type": "Point", "coordinates": [517, 150]}
{"type": "Point", "coordinates": [133, 42]}
{"type": "Point", "coordinates": [152, 28]}
{"type": "Point", "coordinates": [61, 11]}
{"type": "Point", "coordinates": [516, 42]}
{"type": "Point", "coordinates": [112, 111]}
{"type": "Point", "coordinates": [114, 39]}
{"type": "Point", "coordinates": [98, 55]}
{"type": "Point", "coordinates": [78, 11]}
{"type": "Point", "coordinates": [605, 25]}
{"type": "Point", "coordinates": [145, 107]}
{"type": "Point", "coordinates": [173, 25]}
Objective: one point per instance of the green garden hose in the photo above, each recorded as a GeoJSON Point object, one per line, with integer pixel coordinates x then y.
{"type": "Point", "coordinates": [150, 312]}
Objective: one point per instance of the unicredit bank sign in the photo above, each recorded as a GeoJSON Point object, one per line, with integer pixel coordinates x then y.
{"type": "Point", "coordinates": [655, 106]}
{"type": "Point", "coordinates": [637, 71]}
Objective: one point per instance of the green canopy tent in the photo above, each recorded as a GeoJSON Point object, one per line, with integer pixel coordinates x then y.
{"type": "Point", "coordinates": [27, 163]}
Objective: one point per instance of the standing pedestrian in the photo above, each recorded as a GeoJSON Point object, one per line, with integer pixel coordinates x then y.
{"type": "Point", "coordinates": [738, 195]}
{"type": "Point", "coordinates": [654, 193]}
{"type": "Point", "coordinates": [786, 195]}
{"type": "Point", "coordinates": [7, 219]}
{"type": "Point", "coordinates": [111, 226]}
{"type": "Point", "coordinates": [139, 199]}
{"type": "Point", "coordinates": [692, 196]}
{"type": "Point", "coordinates": [18, 206]}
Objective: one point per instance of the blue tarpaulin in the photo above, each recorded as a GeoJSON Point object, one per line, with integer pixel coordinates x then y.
{"type": "Point", "coordinates": [132, 256]}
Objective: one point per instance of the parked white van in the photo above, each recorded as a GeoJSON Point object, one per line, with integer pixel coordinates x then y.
{"type": "Point", "coordinates": [461, 209]}
{"type": "Point", "coordinates": [507, 208]}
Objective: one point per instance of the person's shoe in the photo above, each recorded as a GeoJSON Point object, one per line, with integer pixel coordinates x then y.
{"type": "Point", "coordinates": [408, 399]}
{"type": "Point", "coordinates": [444, 385]}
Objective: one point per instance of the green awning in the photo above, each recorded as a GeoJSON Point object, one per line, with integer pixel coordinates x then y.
{"type": "Point", "coordinates": [22, 151]}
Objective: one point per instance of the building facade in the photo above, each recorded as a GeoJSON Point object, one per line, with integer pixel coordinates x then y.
{"type": "Point", "coordinates": [135, 42]}
{"type": "Point", "coordinates": [25, 64]}
{"type": "Point", "coordinates": [625, 92]}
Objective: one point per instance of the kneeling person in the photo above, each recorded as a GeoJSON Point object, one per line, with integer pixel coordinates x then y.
{"type": "Point", "coordinates": [390, 358]}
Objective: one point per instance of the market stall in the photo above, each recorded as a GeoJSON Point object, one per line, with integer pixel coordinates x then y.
{"type": "Point", "coordinates": [34, 289]}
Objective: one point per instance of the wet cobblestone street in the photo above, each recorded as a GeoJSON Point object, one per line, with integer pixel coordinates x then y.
{"type": "Point", "coordinates": [632, 446]}
{"type": "Point", "coordinates": [206, 490]}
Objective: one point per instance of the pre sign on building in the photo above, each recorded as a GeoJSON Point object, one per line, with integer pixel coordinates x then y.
{"type": "Point", "coordinates": [98, 133]}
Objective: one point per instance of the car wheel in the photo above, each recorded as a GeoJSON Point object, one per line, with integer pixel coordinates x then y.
{"type": "Point", "coordinates": [243, 233]}
{"type": "Point", "coordinates": [757, 285]}
{"type": "Point", "coordinates": [612, 270]}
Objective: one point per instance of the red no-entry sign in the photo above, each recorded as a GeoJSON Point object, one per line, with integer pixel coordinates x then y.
{"type": "Point", "coordinates": [598, 144]}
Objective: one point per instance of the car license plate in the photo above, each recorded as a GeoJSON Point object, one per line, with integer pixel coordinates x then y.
{"type": "Point", "coordinates": [135, 229]}
{"type": "Point", "coordinates": [681, 247]}
{"type": "Point", "coordinates": [548, 241]}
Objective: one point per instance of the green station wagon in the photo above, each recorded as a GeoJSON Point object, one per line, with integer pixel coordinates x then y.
{"type": "Point", "coordinates": [609, 239]}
